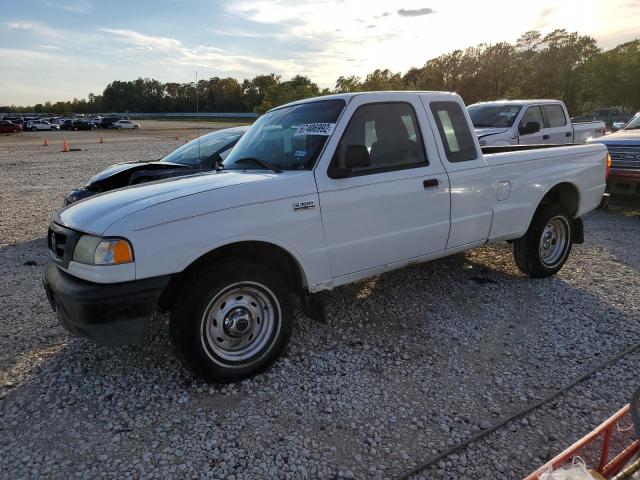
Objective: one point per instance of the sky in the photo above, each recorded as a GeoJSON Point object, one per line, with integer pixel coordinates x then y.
{"type": "Point", "coordinates": [64, 49]}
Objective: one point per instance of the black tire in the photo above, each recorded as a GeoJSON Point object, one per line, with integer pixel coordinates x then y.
{"type": "Point", "coordinates": [527, 250]}
{"type": "Point", "coordinates": [238, 291]}
{"type": "Point", "coordinates": [135, 127]}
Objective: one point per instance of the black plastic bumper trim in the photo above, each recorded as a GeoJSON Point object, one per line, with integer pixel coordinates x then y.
{"type": "Point", "coordinates": [108, 314]}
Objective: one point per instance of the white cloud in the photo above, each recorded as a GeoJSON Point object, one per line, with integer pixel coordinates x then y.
{"type": "Point", "coordinates": [80, 6]}
{"type": "Point", "coordinates": [138, 39]}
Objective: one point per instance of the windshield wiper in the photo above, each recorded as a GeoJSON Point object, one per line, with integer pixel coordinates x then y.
{"type": "Point", "coordinates": [259, 162]}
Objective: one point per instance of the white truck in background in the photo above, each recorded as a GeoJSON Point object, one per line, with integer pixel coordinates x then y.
{"type": "Point", "coordinates": [529, 122]}
{"type": "Point", "coordinates": [318, 193]}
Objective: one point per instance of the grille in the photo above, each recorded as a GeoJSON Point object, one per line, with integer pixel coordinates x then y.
{"type": "Point", "coordinates": [627, 156]}
{"type": "Point", "coordinates": [57, 243]}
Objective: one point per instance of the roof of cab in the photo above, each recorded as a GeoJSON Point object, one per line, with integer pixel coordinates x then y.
{"type": "Point", "coordinates": [518, 102]}
{"type": "Point", "coordinates": [348, 96]}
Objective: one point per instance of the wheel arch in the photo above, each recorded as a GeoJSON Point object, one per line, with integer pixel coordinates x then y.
{"type": "Point", "coordinates": [565, 194]}
{"type": "Point", "coordinates": [259, 251]}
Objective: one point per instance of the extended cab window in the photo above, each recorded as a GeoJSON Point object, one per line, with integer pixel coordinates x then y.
{"type": "Point", "coordinates": [454, 131]}
{"type": "Point", "coordinates": [555, 116]}
{"type": "Point", "coordinates": [389, 132]}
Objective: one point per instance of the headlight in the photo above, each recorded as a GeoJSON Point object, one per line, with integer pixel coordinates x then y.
{"type": "Point", "coordinates": [98, 251]}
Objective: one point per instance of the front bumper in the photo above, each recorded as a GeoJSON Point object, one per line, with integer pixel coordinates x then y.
{"type": "Point", "coordinates": [108, 314]}
{"type": "Point", "coordinates": [624, 175]}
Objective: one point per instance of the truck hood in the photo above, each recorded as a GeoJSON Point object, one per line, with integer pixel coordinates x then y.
{"type": "Point", "coordinates": [484, 132]}
{"type": "Point", "coordinates": [97, 213]}
{"type": "Point", "coordinates": [621, 137]}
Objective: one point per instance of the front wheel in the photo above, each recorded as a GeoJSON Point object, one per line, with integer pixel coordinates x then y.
{"type": "Point", "coordinates": [233, 321]}
{"type": "Point", "coordinates": [544, 249]}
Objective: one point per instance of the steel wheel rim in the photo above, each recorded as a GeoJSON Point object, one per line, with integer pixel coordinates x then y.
{"type": "Point", "coordinates": [240, 322]}
{"type": "Point", "coordinates": [554, 241]}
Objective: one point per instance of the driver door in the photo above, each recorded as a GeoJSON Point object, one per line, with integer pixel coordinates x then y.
{"type": "Point", "coordinates": [533, 114]}
{"type": "Point", "coordinates": [394, 209]}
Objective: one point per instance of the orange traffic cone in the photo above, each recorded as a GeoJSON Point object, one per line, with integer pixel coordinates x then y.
{"type": "Point", "coordinates": [177, 136]}
{"type": "Point", "coordinates": [65, 145]}
{"type": "Point", "coordinates": [101, 140]}
{"type": "Point", "coordinates": [46, 142]}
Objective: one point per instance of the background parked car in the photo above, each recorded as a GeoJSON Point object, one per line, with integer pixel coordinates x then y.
{"type": "Point", "coordinates": [624, 148]}
{"type": "Point", "coordinates": [35, 125]}
{"type": "Point", "coordinates": [9, 127]}
{"type": "Point", "coordinates": [613, 117]}
{"type": "Point", "coordinates": [124, 124]}
{"type": "Point", "coordinates": [199, 155]}
{"type": "Point", "coordinates": [81, 125]}
{"type": "Point", "coordinates": [529, 122]}
{"type": "Point", "coordinates": [107, 122]}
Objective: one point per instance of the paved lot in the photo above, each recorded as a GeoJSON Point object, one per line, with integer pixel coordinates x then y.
{"type": "Point", "coordinates": [410, 362]}
{"type": "Point", "coordinates": [153, 130]}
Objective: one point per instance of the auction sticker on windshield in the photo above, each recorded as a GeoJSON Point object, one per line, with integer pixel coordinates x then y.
{"type": "Point", "coordinates": [315, 129]}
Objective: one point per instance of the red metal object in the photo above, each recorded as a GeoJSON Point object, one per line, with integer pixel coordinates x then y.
{"type": "Point", "coordinates": [606, 467]}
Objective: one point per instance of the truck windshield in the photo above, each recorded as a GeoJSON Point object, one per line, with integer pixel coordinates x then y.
{"type": "Point", "coordinates": [485, 116]}
{"type": "Point", "coordinates": [634, 123]}
{"type": "Point", "coordinates": [288, 138]}
{"type": "Point", "coordinates": [194, 152]}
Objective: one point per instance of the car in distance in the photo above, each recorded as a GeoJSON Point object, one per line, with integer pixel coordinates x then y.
{"type": "Point", "coordinates": [624, 148]}
{"type": "Point", "coordinates": [77, 124]}
{"type": "Point", "coordinates": [527, 122]}
{"type": "Point", "coordinates": [199, 155]}
{"type": "Point", "coordinates": [35, 125]}
{"type": "Point", "coordinates": [613, 117]}
{"type": "Point", "coordinates": [318, 193]}
{"type": "Point", "coordinates": [9, 127]}
{"type": "Point", "coordinates": [108, 121]}
{"type": "Point", "coordinates": [124, 124]}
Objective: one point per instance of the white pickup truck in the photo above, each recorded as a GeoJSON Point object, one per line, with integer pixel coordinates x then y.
{"type": "Point", "coordinates": [529, 122]}
{"type": "Point", "coordinates": [317, 194]}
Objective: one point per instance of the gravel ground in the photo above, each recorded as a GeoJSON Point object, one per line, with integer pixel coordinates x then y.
{"type": "Point", "coordinates": [409, 363]}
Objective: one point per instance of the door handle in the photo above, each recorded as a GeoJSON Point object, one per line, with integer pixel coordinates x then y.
{"type": "Point", "coordinates": [545, 137]}
{"type": "Point", "coordinates": [568, 134]}
{"type": "Point", "coordinates": [432, 182]}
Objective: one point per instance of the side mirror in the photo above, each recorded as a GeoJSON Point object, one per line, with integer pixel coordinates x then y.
{"type": "Point", "coordinates": [530, 127]}
{"type": "Point", "coordinates": [357, 156]}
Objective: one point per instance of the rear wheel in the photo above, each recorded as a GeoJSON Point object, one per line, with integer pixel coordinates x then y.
{"type": "Point", "coordinates": [233, 321]}
{"type": "Point", "coordinates": [544, 249]}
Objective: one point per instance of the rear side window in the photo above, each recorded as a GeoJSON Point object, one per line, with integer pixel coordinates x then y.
{"type": "Point", "coordinates": [555, 115]}
{"type": "Point", "coordinates": [454, 131]}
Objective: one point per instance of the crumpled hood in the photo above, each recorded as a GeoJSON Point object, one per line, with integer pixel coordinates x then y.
{"type": "Point", "coordinates": [98, 212]}
{"type": "Point", "coordinates": [483, 132]}
{"type": "Point", "coordinates": [621, 137]}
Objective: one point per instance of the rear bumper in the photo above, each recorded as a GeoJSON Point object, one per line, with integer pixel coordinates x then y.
{"type": "Point", "coordinates": [108, 314]}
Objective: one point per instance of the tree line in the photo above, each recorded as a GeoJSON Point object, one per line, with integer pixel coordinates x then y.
{"type": "Point", "coordinates": [561, 64]}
